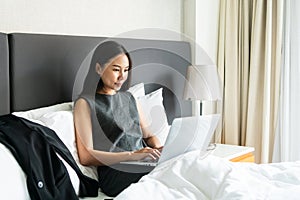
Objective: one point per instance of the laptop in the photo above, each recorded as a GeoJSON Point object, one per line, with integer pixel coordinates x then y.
{"type": "Point", "coordinates": [186, 134]}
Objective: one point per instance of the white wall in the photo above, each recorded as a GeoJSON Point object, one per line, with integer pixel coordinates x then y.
{"type": "Point", "coordinates": [207, 16]}
{"type": "Point", "coordinates": [92, 17]}
{"type": "Point", "coordinates": [129, 18]}
{"type": "Point", "coordinates": [201, 18]}
{"type": "Point", "coordinates": [200, 26]}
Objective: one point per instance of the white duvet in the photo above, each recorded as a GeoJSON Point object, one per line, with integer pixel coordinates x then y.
{"type": "Point", "coordinates": [191, 177]}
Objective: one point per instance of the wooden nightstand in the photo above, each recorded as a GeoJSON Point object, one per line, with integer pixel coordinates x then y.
{"type": "Point", "coordinates": [234, 153]}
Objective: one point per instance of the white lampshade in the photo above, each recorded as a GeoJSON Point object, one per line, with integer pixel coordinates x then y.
{"type": "Point", "coordinates": [202, 83]}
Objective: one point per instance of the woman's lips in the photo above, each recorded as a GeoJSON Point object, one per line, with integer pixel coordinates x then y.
{"type": "Point", "coordinates": [118, 84]}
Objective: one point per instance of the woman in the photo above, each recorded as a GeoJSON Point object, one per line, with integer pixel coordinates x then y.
{"type": "Point", "coordinates": [109, 125]}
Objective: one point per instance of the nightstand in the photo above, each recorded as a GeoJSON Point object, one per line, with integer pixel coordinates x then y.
{"type": "Point", "coordinates": [234, 153]}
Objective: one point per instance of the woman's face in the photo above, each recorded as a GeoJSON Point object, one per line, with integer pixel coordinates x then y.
{"type": "Point", "coordinates": [114, 74]}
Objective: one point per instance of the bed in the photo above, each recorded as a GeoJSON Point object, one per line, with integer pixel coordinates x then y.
{"type": "Point", "coordinates": [39, 77]}
{"type": "Point", "coordinates": [40, 73]}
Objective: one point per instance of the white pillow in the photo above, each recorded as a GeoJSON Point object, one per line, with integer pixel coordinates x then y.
{"type": "Point", "coordinates": [137, 90]}
{"type": "Point", "coordinates": [35, 114]}
{"type": "Point", "coordinates": [59, 118]}
{"type": "Point", "coordinates": [155, 114]}
{"type": "Point", "coordinates": [13, 184]}
{"type": "Point", "coordinates": [62, 123]}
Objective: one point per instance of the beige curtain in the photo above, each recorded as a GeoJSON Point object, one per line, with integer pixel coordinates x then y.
{"type": "Point", "coordinates": [249, 65]}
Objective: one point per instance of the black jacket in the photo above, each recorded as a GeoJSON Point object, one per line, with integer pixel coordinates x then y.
{"type": "Point", "coordinates": [34, 147]}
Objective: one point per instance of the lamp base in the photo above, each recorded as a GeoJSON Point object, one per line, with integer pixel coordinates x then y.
{"type": "Point", "coordinates": [206, 107]}
{"type": "Point", "coordinates": [197, 107]}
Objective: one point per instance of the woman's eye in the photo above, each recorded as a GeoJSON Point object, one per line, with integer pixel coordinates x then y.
{"type": "Point", "coordinates": [116, 70]}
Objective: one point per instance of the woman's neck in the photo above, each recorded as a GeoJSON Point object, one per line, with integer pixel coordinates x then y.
{"type": "Point", "coordinates": [106, 91]}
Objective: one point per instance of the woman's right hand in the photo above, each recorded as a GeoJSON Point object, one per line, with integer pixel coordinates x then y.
{"type": "Point", "coordinates": [145, 153]}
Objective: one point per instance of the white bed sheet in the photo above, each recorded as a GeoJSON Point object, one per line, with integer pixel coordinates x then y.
{"type": "Point", "coordinates": [191, 177]}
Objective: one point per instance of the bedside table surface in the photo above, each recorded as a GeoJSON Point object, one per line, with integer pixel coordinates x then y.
{"type": "Point", "coordinates": [231, 151]}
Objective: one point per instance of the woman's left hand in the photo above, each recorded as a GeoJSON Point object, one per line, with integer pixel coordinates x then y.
{"type": "Point", "coordinates": [159, 148]}
{"type": "Point", "coordinates": [146, 152]}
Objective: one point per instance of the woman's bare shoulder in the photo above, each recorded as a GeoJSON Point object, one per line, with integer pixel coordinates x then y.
{"type": "Point", "coordinates": [81, 104]}
{"type": "Point", "coordinates": [81, 101]}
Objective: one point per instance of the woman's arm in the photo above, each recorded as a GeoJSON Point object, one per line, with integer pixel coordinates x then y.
{"type": "Point", "coordinates": [84, 141]}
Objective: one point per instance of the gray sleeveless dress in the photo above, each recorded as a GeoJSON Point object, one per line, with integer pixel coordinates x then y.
{"type": "Point", "coordinates": [119, 119]}
{"type": "Point", "coordinates": [115, 122]}
{"type": "Point", "coordinates": [116, 128]}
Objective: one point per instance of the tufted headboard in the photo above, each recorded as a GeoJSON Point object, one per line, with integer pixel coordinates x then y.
{"type": "Point", "coordinates": [43, 68]}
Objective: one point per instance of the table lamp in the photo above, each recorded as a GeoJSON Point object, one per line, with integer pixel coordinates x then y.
{"type": "Point", "coordinates": [202, 84]}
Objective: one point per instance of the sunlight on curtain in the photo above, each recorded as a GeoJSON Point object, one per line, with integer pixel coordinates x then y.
{"type": "Point", "coordinates": [249, 65]}
{"type": "Point", "coordinates": [233, 66]}
{"type": "Point", "coordinates": [287, 147]}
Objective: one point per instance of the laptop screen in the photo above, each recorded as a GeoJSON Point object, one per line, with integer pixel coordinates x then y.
{"type": "Point", "coordinates": [188, 134]}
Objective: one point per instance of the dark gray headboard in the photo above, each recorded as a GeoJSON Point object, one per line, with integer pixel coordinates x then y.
{"type": "Point", "coordinates": [43, 68]}
{"type": "Point", "coordinates": [4, 75]}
